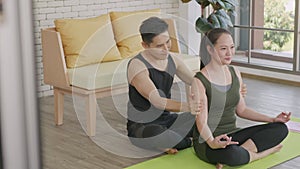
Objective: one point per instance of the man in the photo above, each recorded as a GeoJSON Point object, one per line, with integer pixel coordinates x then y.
{"type": "Point", "coordinates": [150, 78]}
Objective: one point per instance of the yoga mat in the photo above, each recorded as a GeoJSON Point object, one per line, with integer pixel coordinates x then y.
{"type": "Point", "coordinates": [188, 160]}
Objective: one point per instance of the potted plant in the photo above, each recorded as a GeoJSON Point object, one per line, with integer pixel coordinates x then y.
{"type": "Point", "coordinates": [218, 18]}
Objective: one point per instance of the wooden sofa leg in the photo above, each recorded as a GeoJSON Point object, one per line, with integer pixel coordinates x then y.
{"type": "Point", "coordinates": [59, 106]}
{"type": "Point", "coordinates": [91, 114]}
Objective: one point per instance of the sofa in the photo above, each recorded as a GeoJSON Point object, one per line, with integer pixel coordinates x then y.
{"type": "Point", "coordinates": [88, 57]}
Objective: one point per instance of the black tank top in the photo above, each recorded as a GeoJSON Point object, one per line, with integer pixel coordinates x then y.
{"type": "Point", "coordinates": [140, 110]}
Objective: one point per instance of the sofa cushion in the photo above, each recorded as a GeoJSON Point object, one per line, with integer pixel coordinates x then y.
{"type": "Point", "coordinates": [126, 30]}
{"type": "Point", "coordinates": [110, 74]}
{"type": "Point", "coordinates": [100, 75]}
{"type": "Point", "coordinates": [87, 41]}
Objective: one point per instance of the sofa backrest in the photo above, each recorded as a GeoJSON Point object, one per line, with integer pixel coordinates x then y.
{"type": "Point", "coordinates": [54, 63]}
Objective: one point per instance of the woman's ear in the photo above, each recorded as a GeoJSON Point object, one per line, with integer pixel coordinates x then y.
{"type": "Point", "coordinates": [210, 49]}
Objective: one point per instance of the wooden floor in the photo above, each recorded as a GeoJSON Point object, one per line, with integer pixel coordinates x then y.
{"type": "Point", "coordinates": [68, 147]}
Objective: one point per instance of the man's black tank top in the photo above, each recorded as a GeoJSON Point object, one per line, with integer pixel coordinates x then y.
{"type": "Point", "coordinates": [140, 110]}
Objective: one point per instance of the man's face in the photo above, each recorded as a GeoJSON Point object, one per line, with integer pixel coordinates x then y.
{"type": "Point", "coordinates": [160, 46]}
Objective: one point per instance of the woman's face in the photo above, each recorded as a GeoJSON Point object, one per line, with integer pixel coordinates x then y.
{"type": "Point", "coordinates": [224, 49]}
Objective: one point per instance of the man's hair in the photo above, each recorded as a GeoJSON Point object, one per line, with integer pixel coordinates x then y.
{"type": "Point", "coordinates": [152, 27]}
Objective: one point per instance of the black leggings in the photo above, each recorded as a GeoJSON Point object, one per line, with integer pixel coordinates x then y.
{"type": "Point", "coordinates": [176, 134]}
{"type": "Point", "coordinates": [264, 136]}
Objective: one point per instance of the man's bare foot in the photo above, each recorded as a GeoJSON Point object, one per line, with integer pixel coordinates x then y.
{"type": "Point", "coordinates": [171, 151]}
{"type": "Point", "coordinates": [219, 166]}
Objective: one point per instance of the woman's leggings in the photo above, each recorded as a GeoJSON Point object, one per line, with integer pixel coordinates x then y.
{"type": "Point", "coordinates": [264, 136]}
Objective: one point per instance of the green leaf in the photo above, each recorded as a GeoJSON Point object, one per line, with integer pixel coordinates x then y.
{"type": "Point", "coordinates": [205, 4]}
{"type": "Point", "coordinates": [228, 6]}
{"type": "Point", "coordinates": [232, 2]}
{"type": "Point", "coordinates": [201, 2]}
{"type": "Point", "coordinates": [221, 4]}
{"type": "Point", "coordinates": [232, 12]}
{"type": "Point", "coordinates": [222, 21]}
{"type": "Point", "coordinates": [223, 14]}
{"type": "Point", "coordinates": [214, 20]}
{"type": "Point", "coordinates": [201, 21]}
{"type": "Point", "coordinates": [213, 1]}
{"type": "Point", "coordinates": [185, 1]}
{"type": "Point", "coordinates": [205, 28]}
{"type": "Point", "coordinates": [202, 25]}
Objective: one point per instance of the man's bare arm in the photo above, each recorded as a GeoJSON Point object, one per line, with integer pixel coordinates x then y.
{"type": "Point", "coordinates": [138, 77]}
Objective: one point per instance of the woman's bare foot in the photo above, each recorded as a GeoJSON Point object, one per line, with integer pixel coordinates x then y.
{"type": "Point", "coordinates": [219, 166]}
{"type": "Point", "coordinates": [275, 148]}
{"type": "Point", "coordinates": [171, 151]}
{"type": "Point", "coordinates": [256, 156]}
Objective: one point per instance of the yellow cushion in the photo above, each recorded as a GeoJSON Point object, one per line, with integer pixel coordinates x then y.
{"type": "Point", "coordinates": [87, 41]}
{"type": "Point", "coordinates": [126, 30]}
{"type": "Point", "coordinates": [101, 75]}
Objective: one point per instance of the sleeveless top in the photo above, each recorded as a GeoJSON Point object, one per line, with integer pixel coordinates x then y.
{"type": "Point", "coordinates": [221, 105]}
{"type": "Point", "coordinates": [139, 109]}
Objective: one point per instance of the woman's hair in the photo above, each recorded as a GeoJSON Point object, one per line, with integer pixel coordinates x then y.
{"type": "Point", "coordinates": [152, 27]}
{"type": "Point", "coordinates": [210, 39]}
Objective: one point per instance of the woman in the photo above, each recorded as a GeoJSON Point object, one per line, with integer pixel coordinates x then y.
{"type": "Point", "coordinates": [216, 138]}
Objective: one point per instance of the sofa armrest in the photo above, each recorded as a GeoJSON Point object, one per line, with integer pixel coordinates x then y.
{"type": "Point", "coordinates": [55, 70]}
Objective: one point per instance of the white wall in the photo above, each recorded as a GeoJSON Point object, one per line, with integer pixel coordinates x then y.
{"type": "Point", "coordinates": [189, 13]}
{"type": "Point", "coordinates": [46, 11]}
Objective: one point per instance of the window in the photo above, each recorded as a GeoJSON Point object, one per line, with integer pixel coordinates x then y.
{"type": "Point", "coordinates": [266, 34]}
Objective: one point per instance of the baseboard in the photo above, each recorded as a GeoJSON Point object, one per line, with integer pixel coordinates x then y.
{"type": "Point", "coordinates": [270, 76]}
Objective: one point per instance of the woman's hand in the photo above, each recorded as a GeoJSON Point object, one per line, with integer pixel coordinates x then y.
{"type": "Point", "coordinates": [283, 117]}
{"type": "Point", "coordinates": [220, 141]}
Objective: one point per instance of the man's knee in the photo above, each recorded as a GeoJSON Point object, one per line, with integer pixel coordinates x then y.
{"type": "Point", "coordinates": [153, 130]}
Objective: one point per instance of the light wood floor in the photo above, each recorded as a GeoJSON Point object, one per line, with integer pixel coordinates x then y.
{"type": "Point", "coordinates": [68, 147]}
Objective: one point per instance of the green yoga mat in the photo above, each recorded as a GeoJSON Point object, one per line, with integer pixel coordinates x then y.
{"type": "Point", "coordinates": [188, 160]}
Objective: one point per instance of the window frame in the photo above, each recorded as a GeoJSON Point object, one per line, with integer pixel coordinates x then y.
{"type": "Point", "coordinates": [251, 28]}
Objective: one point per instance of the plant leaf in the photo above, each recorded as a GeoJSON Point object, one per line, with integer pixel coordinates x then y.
{"type": "Point", "coordinates": [205, 4]}
{"type": "Point", "coordinates": [232, 12]}
{"type": "Point", "coordinates": [206, 28]}
{"type": "Point", "coordinates": [224, 19]}
{"type": "Point", "coordinates": [202, 2]}
{"type": "Point", "coordinates": [228, 6]}
{"type": "Point", "coordinates": [214, 20]}
{"type": "Point", "coordinates": [222, 13]}
{"type": "Point", "coordinates": [202, 25]}
{"type": "Point", "coordinates": [185, 1]}
{"type": "Point", "coordinates": [221, 3]}
{"type": "Point", "coordinates": [213, 1]}
{"type": "Point", "coordinates": [232, 2]}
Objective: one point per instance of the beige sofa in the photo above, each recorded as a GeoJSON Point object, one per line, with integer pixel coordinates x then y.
{"type": "Point", "coordinates": [90, 81]}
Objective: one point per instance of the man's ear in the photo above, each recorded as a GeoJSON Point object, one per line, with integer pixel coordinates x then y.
{"type": "Point", "coordinates": [145, 45]}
